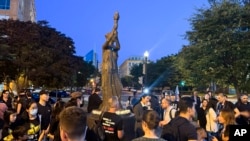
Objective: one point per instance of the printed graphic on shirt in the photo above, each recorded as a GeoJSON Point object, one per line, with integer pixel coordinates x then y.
{"type": "Point", "coordinates": [108, 125]}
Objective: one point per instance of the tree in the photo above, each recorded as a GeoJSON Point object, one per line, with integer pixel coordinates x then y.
{"type": "Point", "coordinates": [219, 45]}
{"type": "Point", "coordinates": [127, 81]}
{"type": "Point", "coordinates": [83, 71]}
{"type": "Point", "coordinates": [38, 53]}
{"type": "Point", "coordinates": [136, 72]}
{"type": "Point", "coordinates": [163, 73]}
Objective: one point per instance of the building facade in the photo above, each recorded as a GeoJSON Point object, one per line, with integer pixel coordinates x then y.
{"type": "Point", "coordinates": [125, 67]}
{"type": "Point", "coordinates": [91, 56]}
{"type": "Point", "coordinates": [23, 10]}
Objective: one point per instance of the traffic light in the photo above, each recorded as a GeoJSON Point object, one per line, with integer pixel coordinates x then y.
{"type": "Point", "coordinates": [182, 83]}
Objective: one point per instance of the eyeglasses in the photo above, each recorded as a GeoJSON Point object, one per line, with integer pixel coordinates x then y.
{"type": "Point", "coordinates": [6, 93]}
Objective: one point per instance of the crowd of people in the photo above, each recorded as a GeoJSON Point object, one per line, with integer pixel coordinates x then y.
{"type": "Point", "coordinates": [22, 118]}
{"type": "Point", "coordinates": [195, 118]}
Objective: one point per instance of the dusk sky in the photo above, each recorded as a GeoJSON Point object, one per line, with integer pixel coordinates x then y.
{"type": "Point", "coordinates": [158, 26]}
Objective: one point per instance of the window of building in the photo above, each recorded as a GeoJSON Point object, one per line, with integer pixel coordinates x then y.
{"type": "Point", "coordinates": [5, 4]}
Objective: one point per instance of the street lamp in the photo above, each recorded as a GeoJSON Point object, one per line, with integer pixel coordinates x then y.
{"type": "Point", "coordinates": [146, 54]}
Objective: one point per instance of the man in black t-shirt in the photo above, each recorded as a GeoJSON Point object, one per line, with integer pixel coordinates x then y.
{"type": "Point", "coordinates": [94, 100]}
{"type": "Point", "coordinates": [183, 127]}
{"type": "Point", "coordinates": [111, 122]}
{"type": "Point", "coordinates": [244, 107]}
{"type": "Point", "coordinates": [44, 109]}
{"type": "Point", "coordinates": [223, 103]}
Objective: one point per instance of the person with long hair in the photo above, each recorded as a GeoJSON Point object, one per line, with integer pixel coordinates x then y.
{"type": "Point", "coordinates": [32, 121]}
{"type": "Point", "coordinates": [226, 117]}
{"type": "Point", "coordinates": [150, 122]}
{"type": "Point", "coordinates": [54, 131]}
{"type": "Point", "coordinates": [5, 98]}
{"type": "Point", "coordinates": [207, 117]}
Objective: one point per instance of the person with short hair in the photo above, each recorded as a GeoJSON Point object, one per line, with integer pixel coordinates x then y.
{"type": "Point", "coordinates": [111, 122]}
{"type": "Point", "coordinates": [20, 133]}
{"type": "Point", "coordinates": [138, 109]}
{"type": "Point", "coordinates": [94, 100]}
{"type": "Point", "coordinates": [244, 107]}
{"type": "Point", "coordinates": [44, 109]}
{"type": "Point", "coordinates": [187, 131]}
{"type": "Point", "coordinates": [168, 112]}
{"type": "Point", "coordinates": [150, 121]}
{"type": "Point", "coordinates": [223, 103]}
{"type": "Point", "coordinates": [72, 122]}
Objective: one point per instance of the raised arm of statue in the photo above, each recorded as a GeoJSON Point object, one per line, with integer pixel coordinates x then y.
{"type": "Point", "coordinates": [109, 37]}
{"type": "Point", "coordinates": [116, 18]}
{"type": "Point", "coordinates": [112, 37]}
{"type": "Point", "coordinates": [116, 41]}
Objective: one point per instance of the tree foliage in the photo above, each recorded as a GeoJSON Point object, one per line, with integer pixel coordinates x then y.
{"type": "Point", "coordinates": [219, 48]}
{"type": "Point", "coordinates": [164, 73]}
{"type": "Point", "coordinates": [127, 81]}
{"type": "Point", "coordinates": [161, 73]}
{"type": "Point", "coordinates": [136, 72]}
{"type": "Point", "coordinates": [39, 53]}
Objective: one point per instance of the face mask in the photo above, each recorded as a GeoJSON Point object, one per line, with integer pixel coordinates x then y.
{"type": "Point", "coordinates": [33, 112]}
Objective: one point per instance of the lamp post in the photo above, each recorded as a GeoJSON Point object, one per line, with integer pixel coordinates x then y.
{"type": "Point", "coordinates": [146, 54]}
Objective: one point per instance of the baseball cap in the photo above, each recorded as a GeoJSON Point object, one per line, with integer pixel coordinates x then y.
{"type": "Point", "coordinates": [76, 95]}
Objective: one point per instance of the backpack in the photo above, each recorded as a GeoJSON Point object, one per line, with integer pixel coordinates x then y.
{"type": "Point", "coordinates": [170, 131]}
{"type": "Point", "coordinates": [175, 115]}
{"type": "Point", "coordinates": [98, 128]}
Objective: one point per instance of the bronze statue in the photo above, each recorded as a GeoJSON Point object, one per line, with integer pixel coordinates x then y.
{"type": "Point", "coordinates": [111, 83]}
